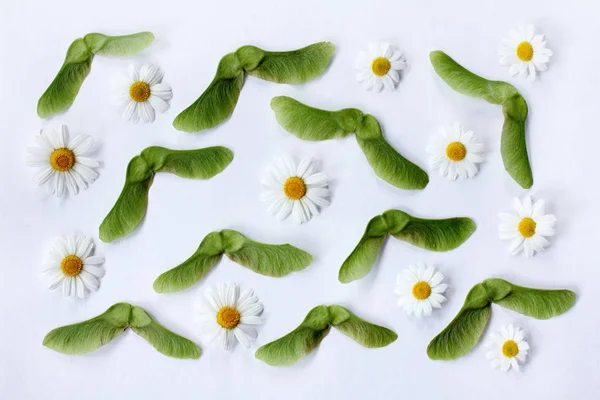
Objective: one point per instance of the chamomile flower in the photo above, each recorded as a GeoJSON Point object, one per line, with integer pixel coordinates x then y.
{"type": "Point", "coordinates": [72, 267]}
{"type": "Point", "coordinates": [525, 52]}
{"type": "Point", "coordinates": [64, 163]}
{"type": "Point", "coordinates": [507, 348]}
{"type": "Point", "coordinates": [454, 152]}
{"type": "Point", "coordinates": [527, 227]}
{"type": "Point", "coordinates": [379, 67]}
{"type": "Point", "coordinates": [420, 289]}
{"type": "Point", "coordinates": [226, 314]}
{"type": "Point", "coordinates": [142, 94]}
{"type": "Point", "coordinates": [295, 189]}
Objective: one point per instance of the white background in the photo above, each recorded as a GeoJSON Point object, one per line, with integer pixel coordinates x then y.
{"type": "Point", "coordinates": [190, 39]}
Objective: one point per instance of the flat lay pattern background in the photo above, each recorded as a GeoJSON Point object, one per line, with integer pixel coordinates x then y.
{"type": "Point", "coordinates": [191, 38]}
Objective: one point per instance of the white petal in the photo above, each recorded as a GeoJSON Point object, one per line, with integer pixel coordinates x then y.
{"type": "Point", "coordinates": [516, 245]}
{"type": "Point", "coordinates": [388, 83]}
{"type": "Point", "coordinates": [162, 91]}
{"type": "Point", "coordinates": [55, 278]}
{"type": "Point", "coordinates": [252, 319]}
{"type": "Point", "coordinates": [43, 175]}
{"type": "Point", "coordinates": [242, 337]}
{"type": "Point", "coordinates": [81, 292]}
{"type": "Point", "coordinates": [250, 331]}
{"type": "Point", "coordinates": [82, 145]}
{"type": "Point", "coordinates": [316, 180]}
{"type": "Point", "coordinates": [134, 75]}
{"type": "Point", "coordinates": [158, 104]}
{"type": "Point", "coordinates": [286, 209]}
{"type": "Point", "coordinates": [70, 183]}
{"type": "Point", "coordinates": [147, 113]}
{"type": "Point", "coordinates": [305, 168]}
{"type": "Point", "coordinates": [95, 270]}
{"type": "Point", "coordinates": [87, 174]}
{"type": "Point", "coordinates": [83, 246]}
{"type": "Point", "coordinates": [150, 74]}
{"type": "Point", "coordinates": [93, 260]}
{"type": "Point", "coordinates": [67, 287]}
{"type": "Point", "coordinates": [90, 281]}
{"type": "Point", "coordinates": [298, 212]}
{"type": "Point", "coordinates": [131, 112]}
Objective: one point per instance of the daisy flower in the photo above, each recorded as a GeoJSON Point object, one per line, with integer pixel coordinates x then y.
{"type": "Point", "coordinates": [295, 189]}
{"type": "Point", "coordinates": [455, 152]}
{"type": "Point", "coordinates": [141, 94]}
{"type": "Point", "coordinates": [420, 289]}
{"type": "Point", "coordinates": [72, 266]}
{"type": "Point", "coordinates": [228, 314]}
{"type": "Point", "coordinates": [527, 227]}
{"type": "Point", "coordinates": [525, 52]}
{"type": "Point", "coordinates": [379, 67]}
{"type": "Point", "coordinates": [64, 163]}
{"type": "Point", "coordinates": [507, 348]}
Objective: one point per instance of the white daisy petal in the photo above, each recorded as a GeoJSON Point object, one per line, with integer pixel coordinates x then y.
{"type": "Point", "coordinates": [82, 145]}
{"type": "Point", "coordinates": [147, 113]}
{"type": "Point", "coordinates": [150, 74]}
{"type": "Point", "coordinates": [83, 246]}
{"type": "Point", "coordinates": [67, 288]}
{"type": "Point", "coordinates": [305, 167]}
{"type": "Point", "coordinates": [242, 337]}
{"type": "Point", "coordinates": [133, 73]}
{"type": "Point", "coordinates": [310, 206]}
{"type": "Point", "coordinates": [162, 91]}
{"type": "Point", "coordinates": [55, 278]}
{"type": "Point", "coordinates": [130, 112]}
{"type": "Point", "coordinates": [158, 104]}
{"type": "Point", "coordinates": [43, 175]}
{"type": "Point", "coordinates": [286, 209]}
{"type": "Point", "coordinates": [89, 281]}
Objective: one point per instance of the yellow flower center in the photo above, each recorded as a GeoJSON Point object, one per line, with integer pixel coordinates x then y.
{"type": "Point", "coordinates": [294, 188]}
{"type": "Point", "coordinates": [381, 66]}
{"type": "Point", "coordinates": [510, 348]}
{"type": "Point", "coordinates": [62, 159]}
{"type": "Point", "coordinates": [456, 151]}
{"type": "Point", "coordinates": [421, 290]}
{"type": "Point", "coordinates": [71, 265]}
{"type": "Point", "coordinates": [139, 91]}
{"type": "Point", "coordinates": [527, 227]}
{"type": "Point", "coordinates": [525, 51]}
{"type": "Point", "coordinates": [228, 317]}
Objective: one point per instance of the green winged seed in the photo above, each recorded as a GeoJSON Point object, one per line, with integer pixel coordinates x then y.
{"type": "Point", "coordinates": [466, 329]}
{"type": "Point", "coordinates": [310, 123]}
{"type": "Point", "coordinates": [306, 337]}
{"type": "Point", "coordinates": [513, 147]}
{"type": "Point", "coordinates": [87, 336]}
{"type": "Point", "coordinates": [130, 208]}
{"type": "Point", "coordinates": [265, 259]}
{"type": "Point", "coordinates": [218, 101]}
{"type": "Point", "coordinates": [429, 234]}
{"type": "Point", "coordinates": [61, 93]}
